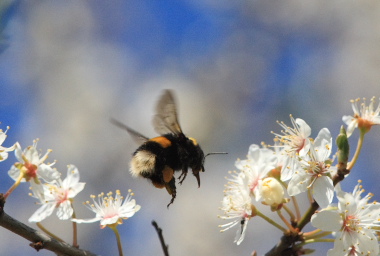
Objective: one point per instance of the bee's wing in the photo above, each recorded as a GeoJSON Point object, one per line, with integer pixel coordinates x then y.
{"type": "Point", "coordinates": [136, 136]}
{"type": "Point", "coordinates": [166, 120]}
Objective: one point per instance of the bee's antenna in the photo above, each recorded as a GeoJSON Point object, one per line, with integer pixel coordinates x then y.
{"type": "Point", "coordinates": [215, 153]}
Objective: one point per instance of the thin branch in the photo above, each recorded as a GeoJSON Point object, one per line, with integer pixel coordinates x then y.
{"type": "Point", "coordinates": [39, 240]}
{"type": "Point", "coordinates": [159, 232]}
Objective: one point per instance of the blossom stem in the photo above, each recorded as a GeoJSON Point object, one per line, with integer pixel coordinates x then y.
{"type": "Point", "coordinates": [316, 234]}
{"type": "Point", "coordinates": [48, 232]}
{"type": "Point", "coordinates": [358, 149]}
{"type": "Point", "coordinates": [117, 234]}
{"type": "Point", "coordinates": [311, 233]}
{"type": "Point", "coordinates": [309, 241]}
{"type": "Point", "coordinates": [296, 207]}
{"type": "Point", "coordinates": [291, 228]}
{"type": "Point", "coordinates": [307, 216]}
{"type": "Point", "coordinates": [258, 213]}
{"type": "Point", "coordinates": [292, 217]}
{"type": "Point", "coordinates": [309, 196]}
{"type": "Point", "coordinates": [75, 229]}
{"type": "Point", "coordinates": [14, 186]}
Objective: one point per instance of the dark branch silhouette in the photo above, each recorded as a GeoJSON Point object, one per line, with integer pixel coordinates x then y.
{"type": "Point", "coordinates": [159, 232]}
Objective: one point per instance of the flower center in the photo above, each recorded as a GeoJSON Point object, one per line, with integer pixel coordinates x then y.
{"type": "Point", "coordinates": [365, 124]}
{"type": "Point", "coordinates": [31, 170]}
{"type": "Point", "coordinates": [350, 223]}
{"type": "Point", "coordinates": [298, 143]}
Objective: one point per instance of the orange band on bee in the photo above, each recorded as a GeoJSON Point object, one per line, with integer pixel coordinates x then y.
{"type": "Point", "coordinates": [194, 141]}
{"type": "Point", "coordinates": [164, 142]}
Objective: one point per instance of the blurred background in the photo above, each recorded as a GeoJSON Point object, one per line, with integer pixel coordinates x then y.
{"type": "Point", "coordinates": [67, 67]}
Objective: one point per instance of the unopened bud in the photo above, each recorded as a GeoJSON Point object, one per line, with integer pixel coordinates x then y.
{"type": "Point", "coordinates": [272, 191]}
{"type": "Point", "coordinates": [343, 149]}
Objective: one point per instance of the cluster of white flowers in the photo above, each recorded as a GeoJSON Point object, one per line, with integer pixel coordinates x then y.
{"type": "Point", "coordinates": [296, 164]}
{"type": "Point", "coordinates": [54, 193]}
{"type": "Point", "coordinates": [247, 186]}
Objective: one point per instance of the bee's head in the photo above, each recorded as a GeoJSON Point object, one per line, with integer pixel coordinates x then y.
{"type": "Point", "coordinates": [196, 155]}
{"type": "Point", "coordinates": [197, 158]}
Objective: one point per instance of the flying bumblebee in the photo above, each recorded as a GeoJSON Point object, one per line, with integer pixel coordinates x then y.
{"type": "Point", "coordinates": [158, 158]}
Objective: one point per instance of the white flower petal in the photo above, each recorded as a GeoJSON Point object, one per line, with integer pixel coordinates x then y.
{"type": "Point", "coordinates": [48, 173]}
{"type": "Point", "coordinates": [327, 220]}
{"type": "Point", "coordinates": [288, 168]}
{"type": "Point", "coordinates": [304, 128]}
{"type": "Point", "coordinates": [240, 233]}
{"type": "Point", "coordinates": [348, 119]}
{"type": "Point", "coordinates": [324, 138]}
{"type": "Point", "coordinates": [298, 183]}
{"type": "Point", "coordinates": [323, 190]}
{"type": "Point", "coordinates": [86, 220]}
{"type": "Point", "coordinates": [3, 136]}
{"type": "Point", "coordinates": [65, 211]}
{"type": "Point", "coordinates": [72, 176]}
{"type": "Point", "coordinates": [43, 212]}
{"type": "Point", "coordinates": [109, 221]}
{"type": "Point", "coordinates": [254, 153]}
{"type": "Point", "coordinates": [73, 191]}
{"type": "Point", "coordinates": [14, 173]}
{"type": "Point", "coordinates": [31, 154]}
{"type": "Point", "coordinates": [18, 152]}
{"type": "Point", "coordinates": [368, 242]}
{"type": "Point", "coordinates": [338, 250]}
{"type": "Point", "coordinates": [38, 191]}
{"type": "Point", "coordinates": [3, 156]}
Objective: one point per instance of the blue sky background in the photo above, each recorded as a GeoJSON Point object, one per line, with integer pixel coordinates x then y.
{"type": "Point", "coordinates": [66, 67]}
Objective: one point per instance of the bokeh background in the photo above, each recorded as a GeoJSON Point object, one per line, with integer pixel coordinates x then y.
{"type": "Point", "coordinates": [67, 67]}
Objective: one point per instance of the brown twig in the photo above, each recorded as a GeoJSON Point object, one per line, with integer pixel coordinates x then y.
{"type": "Point", "coordinates": [39, 240]}
{"type": "Point", "coordinates": [159, 232]}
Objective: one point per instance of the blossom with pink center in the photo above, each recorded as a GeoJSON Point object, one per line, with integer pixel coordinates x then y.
{"type": "Point", "coordinates": [31, 165]}
{"type": "Point", "coordinates": [314, 171]}
{"type": "Point", "coordinates": [58, 195]}
{"type": "Point", "coordinates": [355, 222]}
{"type": "Point", "coordinates": [256, 167]}
{"type": "Point", "coordinates": [111, 210]}
{"type": "Point", "coordinates": [364, 116]}
{"type": "Point", "coordinates": [295, 142]}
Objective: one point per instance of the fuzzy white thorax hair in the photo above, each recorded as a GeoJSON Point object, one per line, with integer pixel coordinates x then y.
{"type": "Point", "coordinates": [142, 162]}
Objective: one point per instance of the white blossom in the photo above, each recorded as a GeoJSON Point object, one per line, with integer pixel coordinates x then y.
{"type": "Point", "coordinates": [111, 210]}
{"type": "Point", "coordinates": [355, 221]}
{"type": "Point", "coordinates": [237, 206]}
{"type": "Point", "coordinates": [256, 167]}
{"type": "Point", "coordinates": [364, 116]}
{"type": "Point", "coordinates": [31, 165]}
{"type": "Point", "coordinates": [59, 195]}
{"type": "Point", "coordinates": [295, 142]}
{"type": "Point", "coordinates": [314, 171]}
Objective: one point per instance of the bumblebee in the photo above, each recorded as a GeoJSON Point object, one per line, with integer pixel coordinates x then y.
{"type": "Point", "coordinates": [158, 158]}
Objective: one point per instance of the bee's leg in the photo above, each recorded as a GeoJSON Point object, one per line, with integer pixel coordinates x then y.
{"type": "Point", "coordinates": [167, 174]}
{"type": "Point", "coordinates": [196, 174]}
{"type": "Point", "coordinates": [170, 187]}
{"type": "Point", "coordinates": [157, 181]}
{"type": "Point", "coordinates": [183, 175]}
